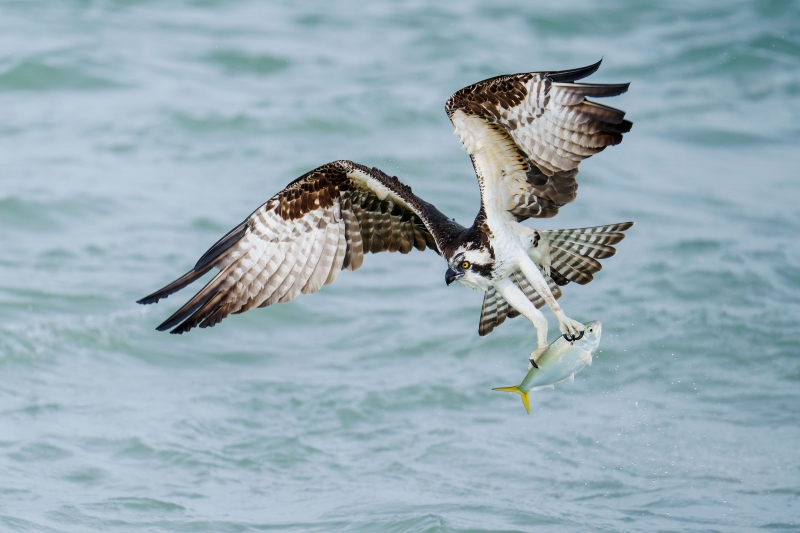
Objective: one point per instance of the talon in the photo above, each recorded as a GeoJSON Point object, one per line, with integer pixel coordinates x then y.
{"type": "Point", "coordinates": [535, 355]}
{"type": "Point", "coordinates": [571, 329]}
{"type": "Point", "coordinates": [572, 339]}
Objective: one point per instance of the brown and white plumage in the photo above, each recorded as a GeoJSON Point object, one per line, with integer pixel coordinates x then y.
{"type": "Point", "coordinates": [526, 135]}
{"type": "Point", "coordinates": [564, 255]}
{"type": "Point", "coordinates": [303, 237]}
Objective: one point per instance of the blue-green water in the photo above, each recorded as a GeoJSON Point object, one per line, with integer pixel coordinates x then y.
{"type": "Point", "coordinates": [134, 134]}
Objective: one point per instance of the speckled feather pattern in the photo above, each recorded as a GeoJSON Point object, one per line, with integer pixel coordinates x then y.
{"type": "Point", "coordinates": [527, 133]}
{"type": "Point", "coordinates": [303, 237]}
{"type": "Point", "coordinates": [563, 255]}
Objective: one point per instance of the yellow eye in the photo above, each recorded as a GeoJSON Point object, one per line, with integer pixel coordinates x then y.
{"type": "Point", "coordinates": [465, 265]}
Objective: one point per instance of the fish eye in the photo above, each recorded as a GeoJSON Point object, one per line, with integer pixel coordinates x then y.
{"type": "Point", "coordinates": [590, 330]}
{"type": "Point", "coordinates": [465, 265]}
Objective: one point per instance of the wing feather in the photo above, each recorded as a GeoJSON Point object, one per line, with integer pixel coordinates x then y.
{"type": "Point", "coordinates": [527, 133]}
{"type": "Point", "coordinates": [303, 237]}
{"type": "Point", "coordinates": [296, 258]}
{"type": "Point", "coordinates": [354, 255]}
{"type": "Point", "coordinates": [341, 251]}
{"type": "Point", "coordinates": [329, 252]}
{"type": "Point", "coordinates": [307, 263]}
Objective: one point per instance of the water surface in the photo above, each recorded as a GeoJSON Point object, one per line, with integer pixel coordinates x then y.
{"type": "Point", "coordinates": [134, 134]}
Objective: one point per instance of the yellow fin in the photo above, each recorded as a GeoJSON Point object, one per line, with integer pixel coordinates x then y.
{"type": "Point", "coordinates": [525, 399]}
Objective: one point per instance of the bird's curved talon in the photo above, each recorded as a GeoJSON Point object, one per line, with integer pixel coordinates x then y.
{"type": "Point", "coordinates": [535, 355]}
{"type": "Point", "coordinates": [570, 329]}
{"type": "Point", "coordinates": [572, 339]}
{"type": "Point", "coordinates": [497, 255]}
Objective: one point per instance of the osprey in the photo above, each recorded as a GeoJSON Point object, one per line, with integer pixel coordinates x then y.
{"type": "Point", "coordinates": [525, 133]}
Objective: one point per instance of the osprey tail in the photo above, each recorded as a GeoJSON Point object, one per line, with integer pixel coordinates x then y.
{"type": "Point", "coordinates": [564, 255]}
{"type": "Point", "coordinates": [572, 254]}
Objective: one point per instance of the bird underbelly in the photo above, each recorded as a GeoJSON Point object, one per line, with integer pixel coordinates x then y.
{"type": "Point", "coordinates": [503, 269]}
{"type": "Point", "coordinates": [508, 250]}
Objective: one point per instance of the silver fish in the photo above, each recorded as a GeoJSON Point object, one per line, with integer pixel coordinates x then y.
{"type": "Point", "coordinates": [561, 360]}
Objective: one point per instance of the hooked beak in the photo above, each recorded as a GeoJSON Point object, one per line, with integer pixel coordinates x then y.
{"type": "Point", "coordinates": [451, 275]}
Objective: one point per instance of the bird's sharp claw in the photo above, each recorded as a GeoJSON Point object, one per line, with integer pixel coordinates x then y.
{"type": "Point", "coordinates": [571, 329]}
{"type": "Point", "coordinates": [535, 355]}
{"type": "Point", "coordinates": [575, 338]}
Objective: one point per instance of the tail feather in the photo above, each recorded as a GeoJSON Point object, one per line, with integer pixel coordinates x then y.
{"type": "Point", "coordinates": [573, 266]}
{"type": "Point", "coordinates": [596, 251]}
{"type": "Point", "coordinates": [605, 239]}
{"type": "Point", "coordinates": [608, 234]}
{"type": "Point", "coordinates": [572, 254]}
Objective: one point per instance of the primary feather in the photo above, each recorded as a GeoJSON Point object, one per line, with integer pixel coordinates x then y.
{"type": "Point", "coordinates": [302, 238]}
{"type": "Point", "coordinates": [525, 133]}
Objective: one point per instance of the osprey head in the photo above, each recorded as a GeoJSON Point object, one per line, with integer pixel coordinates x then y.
{"type": "Point", "coordinates": [471, 266]}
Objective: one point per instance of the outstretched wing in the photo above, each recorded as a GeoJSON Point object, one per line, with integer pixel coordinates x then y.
{"type": "Point", "coordinates": [527, 133]}
{"type": "Point", "coordinates": [300, 240]}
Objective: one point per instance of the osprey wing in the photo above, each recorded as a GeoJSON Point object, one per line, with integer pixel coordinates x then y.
{"type": "Point", "coordinates": [526, 134]}
{"type": "Point", "coordinates": [303, 237]}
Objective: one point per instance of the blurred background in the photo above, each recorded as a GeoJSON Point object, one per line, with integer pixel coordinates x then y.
{"type": "Point", "coordinates": [133, 134]}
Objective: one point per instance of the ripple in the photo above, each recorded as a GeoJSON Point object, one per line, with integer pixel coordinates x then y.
{"type": "Point", "coordinates": [138, 505]}
{"type": "Point", "coordinates": [217, 123]}
{"type": "Point", "coordinates": [368, 407]}
{"type": "Point", "coordinates": [238, 62]}
{"type": "Point", "coordinates": [32, 75]}
{"type": "Point", "coordinates": [25, 214]}
{"type": "Point", "coordinates": [39, 451]}
{"type": "Point", "coordinates": [19, 524]}
{"type": "Point", "coordinates": [86, 476]}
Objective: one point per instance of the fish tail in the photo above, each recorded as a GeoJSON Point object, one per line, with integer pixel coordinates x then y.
{"type": "Point", "coordinates": [525, 400]}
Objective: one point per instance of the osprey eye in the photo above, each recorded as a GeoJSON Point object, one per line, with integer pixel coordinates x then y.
{"type": "Point", "coordinates": [465, 265]}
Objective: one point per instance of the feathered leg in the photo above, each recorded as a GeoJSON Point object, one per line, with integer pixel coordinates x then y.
{"type": "Point", "coordinates": [517, 299]}
{"type": "Point", "coordinates": [566, 325]}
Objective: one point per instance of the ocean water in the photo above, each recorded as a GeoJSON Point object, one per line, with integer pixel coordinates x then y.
{"type": "Point", "coordinates": [133, 134]}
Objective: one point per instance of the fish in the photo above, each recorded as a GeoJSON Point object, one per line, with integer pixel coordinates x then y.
{"type": "Point", "coordinates": [560, 361]}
